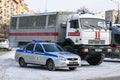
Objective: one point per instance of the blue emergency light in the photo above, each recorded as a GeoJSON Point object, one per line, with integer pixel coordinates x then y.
{"type": "Point", "coordinates": [83, 12]}
{"type": "Point", "coordinates": [37, 41]}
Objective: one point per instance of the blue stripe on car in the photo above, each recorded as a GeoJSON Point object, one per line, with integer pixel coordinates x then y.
{"type": "Point", "coordinates": [49, 54]}
{"type": "Point", "coordinates": [31, 52]}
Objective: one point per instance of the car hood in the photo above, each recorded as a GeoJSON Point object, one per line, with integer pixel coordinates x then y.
{"type": "Point", "coordinates": [64, 54]}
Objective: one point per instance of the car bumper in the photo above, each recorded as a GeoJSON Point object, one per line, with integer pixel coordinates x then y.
{"type": "Point", "coordinates": [68, 63]}
{"type": "Point", "coordinates": [4, 46]}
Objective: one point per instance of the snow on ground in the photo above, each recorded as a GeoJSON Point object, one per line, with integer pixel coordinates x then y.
{"type": "Point", "coordinates": [10, 70]}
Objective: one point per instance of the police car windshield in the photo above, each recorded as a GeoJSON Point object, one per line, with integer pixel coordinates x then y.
{"type": "Point", "coordinates": [93, 23]}
{"type": "Point", "coordinates": [52, 48]}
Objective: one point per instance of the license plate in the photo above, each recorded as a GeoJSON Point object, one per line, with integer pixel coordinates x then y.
{"type": "Point", "coordinates": [73, 63]}
{"type": "Point", "coordinates": [98, 50]}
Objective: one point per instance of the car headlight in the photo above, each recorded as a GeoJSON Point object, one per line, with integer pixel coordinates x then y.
{"type": "Point", "coordinates": [79, 59]}
{"type": "Point", "coordinates": [62, 58]}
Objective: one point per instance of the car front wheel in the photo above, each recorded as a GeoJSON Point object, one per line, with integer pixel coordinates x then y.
{"type": "Point", "coordinates": [50, 65]}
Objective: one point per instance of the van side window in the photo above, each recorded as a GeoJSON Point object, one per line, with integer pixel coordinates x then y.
{"type": "Point", "coordinates": [30, 46]}
{"type": "Point", "coordinates": [74, 24]}
{"type": "Point", "coordinates": [39, 48]}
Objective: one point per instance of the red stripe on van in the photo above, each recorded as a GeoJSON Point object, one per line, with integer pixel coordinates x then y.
{"type": "Point", "coordinates": [73, 33]}
{"type": "Point", "coordinates": [97, 35]}
{"type": "Point", "coordinates": [35, 34]}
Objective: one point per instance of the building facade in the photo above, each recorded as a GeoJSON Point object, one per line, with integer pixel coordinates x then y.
{"type": "Point", "coordinates": [9, 8]}
{"type": "Point", "coordinates": [112, 16]}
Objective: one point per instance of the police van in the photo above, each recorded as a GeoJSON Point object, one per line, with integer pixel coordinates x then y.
{"type": "Point", "coordinates": [84, 34]}
{"type": "Point", "coordinates": [46, 54]}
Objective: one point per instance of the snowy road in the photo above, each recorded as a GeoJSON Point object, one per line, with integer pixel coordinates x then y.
{"type": "Point", "coordinates": [10, 70]}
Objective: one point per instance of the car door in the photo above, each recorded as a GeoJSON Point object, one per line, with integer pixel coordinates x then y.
{"type": "Point", "coordinates": [28, 53]}
{"type": "Point", "coordinates": [39, 54]}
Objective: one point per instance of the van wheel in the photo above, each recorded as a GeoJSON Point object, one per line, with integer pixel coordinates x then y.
{"type": "Point", "coordinates": [72, 68]}
{"type": "Point", "coordinates": [95, 59]}
{"type": "Point", "coordinates": [50, 65]}
{"type": "Point", "coordinates": [22, 62]}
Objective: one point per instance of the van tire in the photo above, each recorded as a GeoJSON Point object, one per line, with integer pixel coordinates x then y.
{"type": "Point", "coordinates": [95, 59]}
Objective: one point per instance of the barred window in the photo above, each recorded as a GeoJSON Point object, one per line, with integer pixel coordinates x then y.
{"type": "Point", "coordinates": [32, 22]}
{"type": "Point", "coordinates": [51, 20]}
{"type": "Point", "coordinates": [26, 22]}
{"type": "Point", "coordinates": [13, 22]}
{"type": "Point", "coordinates": [40, 22]}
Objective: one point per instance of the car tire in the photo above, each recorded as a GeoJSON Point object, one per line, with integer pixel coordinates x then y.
{"type": "Point", "coordinates": [50, 65]}
{"type": "Point", "coordinates": [72, 68]}
{"type": "Point", "coordinates": [22, 62]}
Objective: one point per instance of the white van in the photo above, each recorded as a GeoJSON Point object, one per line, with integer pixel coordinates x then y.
{"type": "Point", "coordinates": [4, 44]}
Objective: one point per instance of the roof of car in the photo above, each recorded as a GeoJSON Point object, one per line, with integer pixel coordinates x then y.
{"type": "Point", "coordinates": [42, 42]}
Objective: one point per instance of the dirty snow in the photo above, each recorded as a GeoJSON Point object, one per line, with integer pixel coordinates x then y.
{"type": "Point", "coordinates": [10, 70]}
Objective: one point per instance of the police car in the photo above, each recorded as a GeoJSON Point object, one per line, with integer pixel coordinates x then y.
{"type": "Point", "coordinates": [47, 54]}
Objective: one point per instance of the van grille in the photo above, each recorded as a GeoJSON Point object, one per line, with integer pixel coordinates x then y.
{"type": "Point", "coordinates": [96, 41]}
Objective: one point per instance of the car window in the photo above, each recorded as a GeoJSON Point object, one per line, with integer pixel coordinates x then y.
{"type": "Point", "coordinates": [30, 46]}
{"type": "Point", "coordinates": [38, 48]}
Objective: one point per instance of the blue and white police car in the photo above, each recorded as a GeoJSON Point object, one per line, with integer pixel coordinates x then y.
{"type": "Point", "coordinates": [47, 54]}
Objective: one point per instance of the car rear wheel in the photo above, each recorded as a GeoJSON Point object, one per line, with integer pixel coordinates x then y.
{"type": "Point", "coordinates": [22, 62]}
{"type": "Point", "coordinates": [72, 68]}
{"type": "Point", "coordinates": [50, 65]}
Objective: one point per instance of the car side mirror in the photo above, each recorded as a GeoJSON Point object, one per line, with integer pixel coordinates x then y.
{"type": "Point", "coordinates": [110, 24]}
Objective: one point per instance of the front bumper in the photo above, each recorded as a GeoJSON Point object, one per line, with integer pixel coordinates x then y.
{"type": "Point", "coordinates": [94, 49]}
{"type": "Point", "coordinates": [4, 46]}
{"type": "Point", "coordinates": [84, 51]}
{"type": "Point", "coordinates": [68, 63]}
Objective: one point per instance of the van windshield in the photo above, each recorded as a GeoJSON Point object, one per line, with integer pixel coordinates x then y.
{"type": "Point", "coordinates": [93, 23]}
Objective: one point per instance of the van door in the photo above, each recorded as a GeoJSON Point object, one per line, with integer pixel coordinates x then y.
{"type": "Point", "coordinates": [73, 31]}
